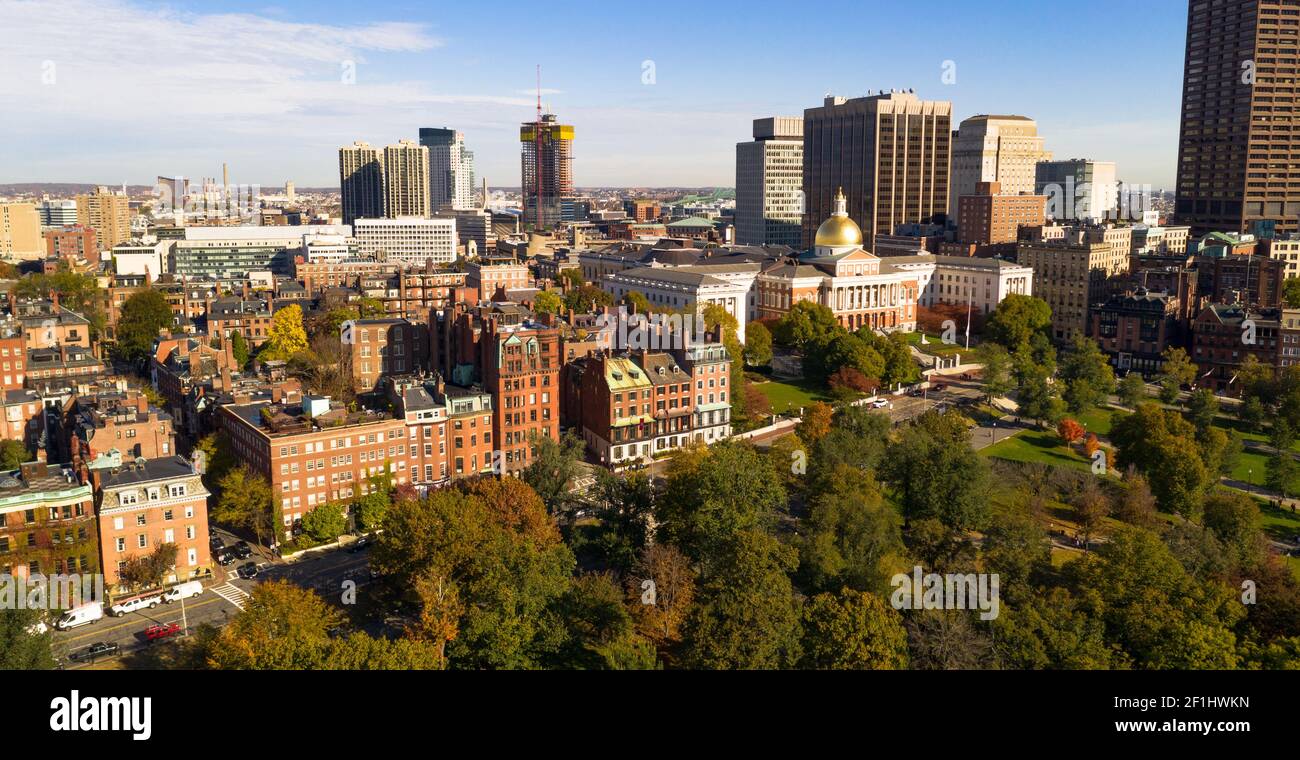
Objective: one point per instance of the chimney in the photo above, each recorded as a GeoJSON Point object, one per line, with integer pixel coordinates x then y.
{"type": "Point", "coordinates": [277, 394]}
{"type": "Point", "coordinates": [226, 382]}
{"type": "Point", "coordinates": [142, 404]}
{"type": "Point", "coordinates": [13, 304]}
{"type": "Point", "coordinates": [54, 296]}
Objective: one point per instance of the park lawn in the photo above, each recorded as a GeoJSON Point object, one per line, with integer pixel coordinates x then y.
{"type": "Point", "coordinates": [790, 396]}
{"type": "Point", "coordinates": [1043, 446]}
{"type": "Point", "coordinates": [935, 345]}
{"type": "Point", "coordinates": [1097, 420]}
{"type": "Point", "coordinates": [1279, 523]}
{"type": "Point", "coordinates": [1250, 467]}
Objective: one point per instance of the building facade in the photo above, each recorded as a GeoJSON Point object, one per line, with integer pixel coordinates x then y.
{"type": "Point", "coordinates": [769, 184]}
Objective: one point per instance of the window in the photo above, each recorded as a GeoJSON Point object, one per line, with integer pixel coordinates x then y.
{"type": "Point", "coordinates": [176, 489]}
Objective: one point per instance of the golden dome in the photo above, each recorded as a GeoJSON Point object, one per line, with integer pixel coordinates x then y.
{"type": "Point", "coordinates": [839, 230]}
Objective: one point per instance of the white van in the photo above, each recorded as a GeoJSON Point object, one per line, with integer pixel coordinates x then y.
{"type": "Point", "coordinates": [183, 591]}
{"type": "Point", "coordinates": [79, 616]}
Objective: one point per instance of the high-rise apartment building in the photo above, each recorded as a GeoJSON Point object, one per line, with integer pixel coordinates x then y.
{"type": "Point", "coordinates": [20, 232]}
{"type": "Point", "coordinates": [769, 183]}
{"type": "Point", "coordinates": [57, 213]}
{"type": "Point", "coordinates": [1237, 148]}
{"type": "Point", "coordinates": [889, 152]}
{"type": "Point", "coordinates": [546, 159]}
{"type": "Point", "coordinates": [1078, 189]}
{"type": "Point", "coordinates": [451, 169]}
{"type": "Point", "coordinates": [406, 180]}
{"type": "Point", "coordinates": [1002, 149]}
{"type": "Point", "coordinates": [361, 181]}
{"type": "Point", "coordinates": [109, 213]}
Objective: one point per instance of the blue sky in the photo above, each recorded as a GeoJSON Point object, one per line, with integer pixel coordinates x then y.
{"type": "Point", "coordinates": [137, 89]}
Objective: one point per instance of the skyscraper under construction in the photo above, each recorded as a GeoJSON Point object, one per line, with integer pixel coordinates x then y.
{"type": "Point", "coordinates": [547, 163]}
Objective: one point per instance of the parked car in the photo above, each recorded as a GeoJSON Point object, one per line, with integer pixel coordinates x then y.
{"type": "Point", "coordinates": [183, 591]}
{"type": "Point", "coordinates": [78, 616]}
{"type": "Point", "coordinates": [361, 544]}
{"type": "Point", "coordinates": [162, 631]}
{"type": "Point", "coordinates": [243, 550]}
{"type": "Point", "coordinates": [225, 557]}
{"type": "Point", "coordinates": [247, 570]}
{"type": "Point", "coordinates": [135, 605]}
{"type": "Point", "coordinates": [216, 543]}
{"type": "Point", "coordinates": [94, 651]}
{"type": "Point", "coordinates": [879, 403]}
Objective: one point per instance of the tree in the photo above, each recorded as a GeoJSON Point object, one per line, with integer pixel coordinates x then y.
{"type": "Point", "coordinates": [636, 302]}
{"type": "Point", "coordinates": [1156, 615]}
{"type": "Point", "coordinates": [1132, 390]}
{"type": "Point", "coordinates": [852, 537]}
{"type": "Point", "coordinates": [1087, 375]}
{"type": "Point", "coordinates": [149, 570]}
{"type": "Point", "coordinates": [898, 367]}
{"type": "Point", "coordinates": [1291, 292]}
{"type": "Point", "coordinates": [247, 502]}
{"type": "Point", "coordinates": [600, 631]}
{"type": "Point", "coordinates": [372, 507]}
{"type": "Point", "coordinates": [1091, 508]}
{"type": "Point", "coordinates": [997, 374]}
{"type": "Point", "coordinates": [660, 606]}
{"type": "Point", "coordinates": [758, 345]}
{"type": "Point", "coordinates": [1069, 430]}
{"type": "Point", "coordinates": [142, 316]}
{"type": "Point", "coordinates": [554, 464]}
{"type": "Point", "coordinates": [13, 454]}
{"type": "Point", "coordinates": [548, 302]}
{"type": "Point", "coordinates": [1176, 371]}
{"type": "Point", "coordinates": [494, 544]}
{"type": "Point", "coordinates": [1282, 474]}
{"type": "Point", "coordinates": [848, 383]}
{"type": "Point", "coordinates": [712, 493]}
{"type": "Point", "coordinates": [286, 336]}
{"type": "Point", "coordinates": [586, 299]}
{"type": "Point", "coordinates": [1038, 400]}
{"type": "Point", "coordinates": [1234, 519]}
{"type": "Point", "coordinates": [816, 422]}
{"type": "Point", "coordinates": [935, 473]}
{"type": "Point", "coordinates": [842, 349]}
{"type": "Point", "coordinates": [572, 277]}
{"type": "Point", "coordinates": [1090, 445]}
{"type": "Point", "coordinates": [1163, 446]}
{"type": "Point", "coordinates": [1016, 320]}
{"type": "Point", "coordinates": [1051, 629]}
{"type": "Point", "coordinates": [807, 323]}
{"type": "Point", "coordinates": [21, 647]}
{"type": "Point", "coordinates": [239, 347]}
{"type": "Point", "coordinates": [1137, 505]}
{"type": "Point", "coordinates": [747, 616]}
{"type": "Point", "coordinates": [852, 630]}
{"type": "Point", "coordinates": [326, 522]}
{"type": "Point", "coordinates": [1202, 407]}
{"type": "Point", "coordinates": [718, 320]}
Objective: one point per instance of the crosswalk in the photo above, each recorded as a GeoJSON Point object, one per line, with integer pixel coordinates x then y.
{"type": "Point", "coordinates": [232, 593]}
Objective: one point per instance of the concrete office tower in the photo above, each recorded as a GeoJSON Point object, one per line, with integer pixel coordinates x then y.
{"type": "Point", "coordinates": [890, 152]}
{"type": "Point", "coordinates": [1002, 149]}
{"type": "Point", "coordinates": [1078, 189]}
{"type": "Point", "coordinates": [546, 158]}
{"type": "Point", "coordinates": [406, 180]}
{"type": "Point", "coordinates": [109, 213]}
{"type": "Point", "coordinates": [769, 183]}
{"type": "Point", "coordinates": [290, 191]}
{"type": "Point", "coordinates": [451, 169]}
{"type": "Point", "coordinates": [361, 181]}
{"type": "Point", "coordinates": [20, 232]}
{"type": "Point", "coordinates": [1236, 154]}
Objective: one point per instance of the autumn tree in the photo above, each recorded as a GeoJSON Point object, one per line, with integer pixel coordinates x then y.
{"type": "Point", "coordinates": [1069, 431]}
{"type": "Point", "coordinates": [286, 336]}
{"type": "Point", "coordinates": [816, 422]}
{"type": "Point", "coordinates": [660, 594]}
{"type": "Point", "coordinates": [852, 630]}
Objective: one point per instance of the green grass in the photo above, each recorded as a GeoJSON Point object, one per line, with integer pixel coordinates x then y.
{"type": "Point", "coordinates": [787, 396]}
{"type": "Point", "coordinates": [1279, 523]}
{"type": "Point", "coordinates": [1250, 467]}
{"type": "Point", "coordinates": [935, 346]}
{"type": "Point", "coordinates": [1097, 420]}
{"type": "Point", "coordinates": [1042, 446]}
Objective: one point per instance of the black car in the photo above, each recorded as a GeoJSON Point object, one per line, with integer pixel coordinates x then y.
{"type": "Point", "coordinates": [216, 543]}
{"type": "Point", "coordinates": [225, 557]}
{"type": "Point", "coordinates": [94, 651]}
{"type": "Point", "coordinates": [243, 550]}
{"type": "Point", "coordinates": [247, 570]}
{"type": "Point", "coordinates": [360, 545]}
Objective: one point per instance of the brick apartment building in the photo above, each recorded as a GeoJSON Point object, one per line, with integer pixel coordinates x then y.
{"type": "Point", "coordinates": [142, 505]}
{"type": "Point", "coordinates": [71, 244]}
{"type": "Point", "coordinates": [380, 347]}
{"type": "Point", "coordinates": [1221, 341]}
{"type": "Point", "coordinates": [1134, 329]}
{"type": "Point", "coordinates": [47, 522]}
{"type": "Point", "coordinates": [990, 218]}
{"type": "Point", "coordinates": [120, 420]}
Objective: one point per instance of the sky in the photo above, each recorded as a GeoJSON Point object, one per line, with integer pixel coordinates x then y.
{"type": "Point", "coordinates": [113, 91]}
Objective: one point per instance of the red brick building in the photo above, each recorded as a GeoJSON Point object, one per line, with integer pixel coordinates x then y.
{"type": "Point", "coordinates": [72, 244]}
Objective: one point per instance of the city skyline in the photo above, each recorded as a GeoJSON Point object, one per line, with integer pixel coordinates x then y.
{"type": "Point", "coordinates": [268, 89]}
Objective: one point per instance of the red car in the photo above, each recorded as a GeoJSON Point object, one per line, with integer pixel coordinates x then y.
{"type": "Point", "coordinates": [163, 631]}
